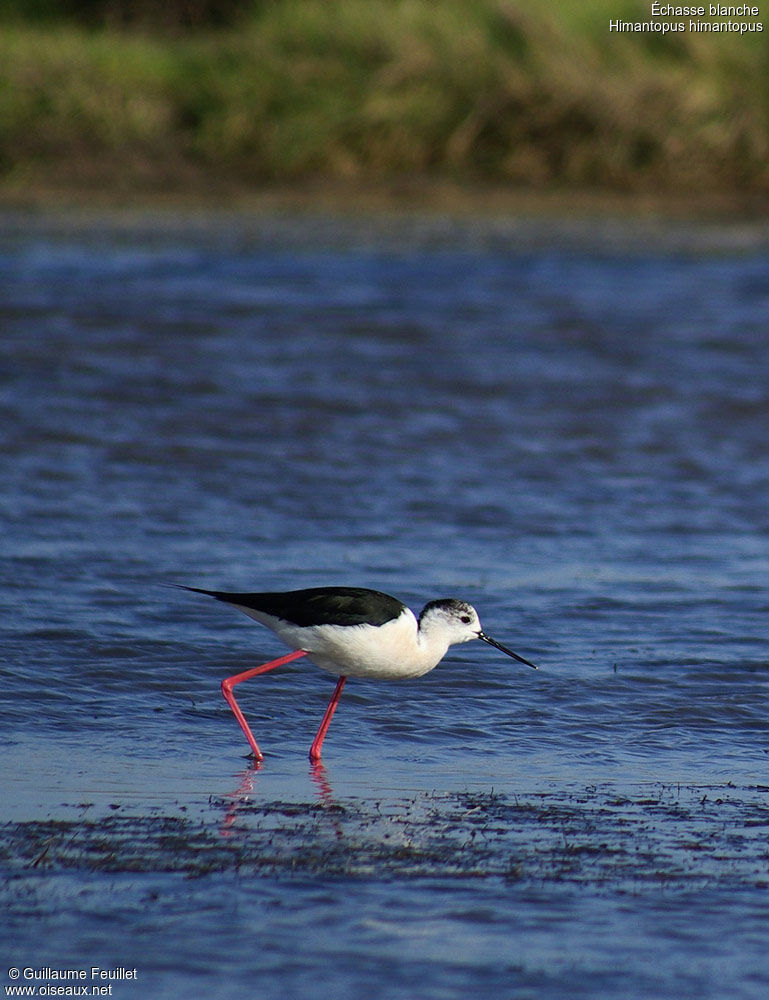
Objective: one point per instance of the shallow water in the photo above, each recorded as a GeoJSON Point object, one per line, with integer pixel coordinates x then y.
{"type": "Point", "coordinates": [564, 424]}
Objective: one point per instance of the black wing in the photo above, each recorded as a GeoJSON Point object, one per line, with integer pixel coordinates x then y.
{"type": "Point", "coordinates": [317, 605]}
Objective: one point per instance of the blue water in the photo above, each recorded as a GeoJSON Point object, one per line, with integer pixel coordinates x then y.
{"type": "Point", "coordinates": [565, 424]}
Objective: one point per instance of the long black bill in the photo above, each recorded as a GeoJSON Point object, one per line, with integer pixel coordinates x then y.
{"type": "Point", "coordinates": [504, 649]}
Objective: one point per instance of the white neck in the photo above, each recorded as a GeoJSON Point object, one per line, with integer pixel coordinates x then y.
{"type": "Point", "coordinates": [432, 644]}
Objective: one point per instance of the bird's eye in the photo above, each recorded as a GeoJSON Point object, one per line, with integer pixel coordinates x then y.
{"type": "Point", "coordinates": [465, 619]}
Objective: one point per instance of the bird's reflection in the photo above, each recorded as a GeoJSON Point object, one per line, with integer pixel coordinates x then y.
{"type": "Point", "coordinates": [322, 782]}
{"type": "Point", "coordinates": [240, 797]}
{"type": "Point", "coordinates": [238, 800]}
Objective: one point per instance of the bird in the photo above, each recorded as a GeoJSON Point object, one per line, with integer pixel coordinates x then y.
{"type": "Point", "coordinates": [352, 632]}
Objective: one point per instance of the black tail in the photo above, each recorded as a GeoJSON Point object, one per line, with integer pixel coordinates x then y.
{"type": "Point", "coordinates": [220, 595]}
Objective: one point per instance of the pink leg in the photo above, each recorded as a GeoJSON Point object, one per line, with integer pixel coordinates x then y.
{"type": "Point", "coordinates": [229, 683]}
{"type": "Point", "coordinates": [317, 743]}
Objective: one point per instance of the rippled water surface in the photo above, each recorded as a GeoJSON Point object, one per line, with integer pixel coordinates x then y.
{"type": "Point", "coordinates": [567, 425]}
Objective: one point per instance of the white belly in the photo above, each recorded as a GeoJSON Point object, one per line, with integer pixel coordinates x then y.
{"type": "Point", "coordinates": [390, 651]}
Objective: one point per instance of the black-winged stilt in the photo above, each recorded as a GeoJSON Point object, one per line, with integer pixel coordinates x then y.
{"type": "Point", "coordinates": [353, 632]}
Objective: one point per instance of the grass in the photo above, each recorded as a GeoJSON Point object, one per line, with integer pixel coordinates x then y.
{"type": "Point", "coordinates": [524, 94]}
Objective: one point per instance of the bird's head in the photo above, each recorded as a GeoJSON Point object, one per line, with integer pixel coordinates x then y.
{"type": "Point", "coordinates": [457, 621]}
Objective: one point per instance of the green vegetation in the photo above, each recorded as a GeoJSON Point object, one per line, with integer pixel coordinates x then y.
{"type": "Point", "coordinates": [281, 91]}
